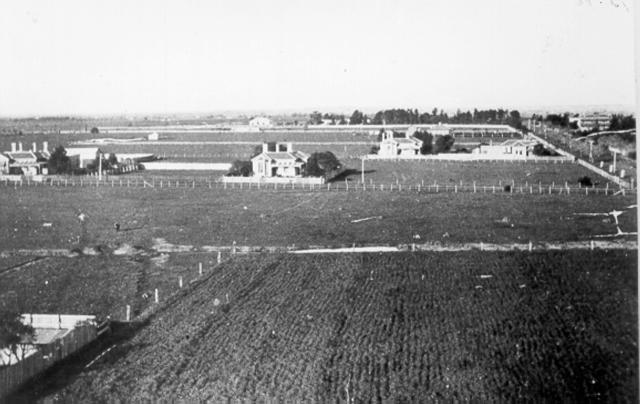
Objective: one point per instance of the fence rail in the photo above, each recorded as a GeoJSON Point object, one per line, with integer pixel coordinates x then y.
{"type": "Point", "coordinates": [339, 186]}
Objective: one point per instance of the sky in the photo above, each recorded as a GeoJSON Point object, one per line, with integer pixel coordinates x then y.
{"type": "Point", "coordinates": [69, 57]}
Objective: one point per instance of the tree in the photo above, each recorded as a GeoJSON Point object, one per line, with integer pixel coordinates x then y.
{"type": "Point", "coordinates": [443, 144]}
{"type": "Point", "coordinates": [240, 168]}
{"type": "Point", "coordinates": [315, 118]}
{"type": "Point", "coordinates": [427, 141]}
{"type": "Point", "coordinates": [95, 131]}
{"type": "Point", "coordinates": [357, 118]}
{"type": "Point", "coordinates": [13, 333]}
{"type": "Point", "coordinates": [540, 150]}
{"type": "Point", "coordinates": [323, 164]}
{"type": "Point", "coordinates": [59, 163]}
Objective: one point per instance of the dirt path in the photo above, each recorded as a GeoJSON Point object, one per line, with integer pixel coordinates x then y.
{"type": "Point", "coordinates": [161, 246]}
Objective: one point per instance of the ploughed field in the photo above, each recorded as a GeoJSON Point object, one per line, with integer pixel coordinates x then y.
{"type": "Point", "coordinates": [548, 326]}
{"type": "Point", "coordinates": [48, 217]}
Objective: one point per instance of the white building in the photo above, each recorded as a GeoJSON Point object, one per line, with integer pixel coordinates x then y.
{"type": "Point", "coordinates": [509, 148]}
{"type": "Point", "coordinates": [81, 157]}
{"type": "Point", "coordinates": [261, 122]}
{"type": "Point", "coordinates": [398, 147]}
{"type": "Point", "coordinates": [278, 163]}
{"type": "Point", "coordinates": [25, 162]}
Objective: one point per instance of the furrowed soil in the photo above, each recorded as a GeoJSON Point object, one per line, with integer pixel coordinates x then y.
{"type": "Point", "coordinates": [541, 327]}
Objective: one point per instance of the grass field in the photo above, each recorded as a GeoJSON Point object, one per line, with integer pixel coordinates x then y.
{"type": "Point", "coordinates": [264, 218]}
{"type": "Point", "coordinates": [482, 172]}
{"type": "Point", "coordinates": [489, 327]}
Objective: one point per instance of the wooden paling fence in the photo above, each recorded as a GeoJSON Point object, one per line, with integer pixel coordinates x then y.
{"type": "Point", "coordinates": [13, 376]}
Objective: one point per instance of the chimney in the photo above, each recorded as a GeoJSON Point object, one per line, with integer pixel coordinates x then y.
{"type": "Point", "coordinates": [289, 147]}
{"type": "Point", "coordinates": [13, 147]}
{"type": "Point", "coordinates": [265, 147]}
{"type": "Point", "coordinates": [33, 147]}
{"type": "Point", "coordinates": [45, 147]}
{"type": "Point", "coordinates": [19, 146]}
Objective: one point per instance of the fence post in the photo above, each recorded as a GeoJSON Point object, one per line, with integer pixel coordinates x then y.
{"type": "Point", "coordinates": [530, 246]}
{"type": "Point", "coordinates": [128, 313]}
{"type": "Point", "coordinates": [200, 268]}
{"type": "Point", "coordinates": [180, 282]}
{"type": "Point", "coordinates": [156, 296]}
{"type": "Point", "coordinates": [219, 257]}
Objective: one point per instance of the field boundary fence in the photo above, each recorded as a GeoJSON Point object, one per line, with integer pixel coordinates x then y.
{"type": "Point", "coordinates": [202, 183]}
{"type": "Point", "coordinates": [613, 178]}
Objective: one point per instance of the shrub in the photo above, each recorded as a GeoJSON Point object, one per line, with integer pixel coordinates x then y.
{"type": "Point", "coordinates": [58, 162]}
{"type": "Point", "coordinates": [585, 181]}
{"type": "Point", "coordinates": [323, 164]}
{"type": "Point", "coordinates": [240, 168]}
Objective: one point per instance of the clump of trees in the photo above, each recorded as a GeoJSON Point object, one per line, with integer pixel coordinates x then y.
{"type": "Point", "coordinates": [442, 144]}
{"type": "Point", "coordinates": [323, 164]}
{"type": "Point", "coordinates": [240, 168]}
{"type": "Point", "coordinates": [58, 162]}
{"type": "Point", "coordinates": [13, 333]}
{"type": "Point", "coordinates": [540, 150]}
{"type": "Point", "coordinates": [622, 122]}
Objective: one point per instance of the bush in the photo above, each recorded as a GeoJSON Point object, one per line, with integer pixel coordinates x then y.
{"type": "Point", "coordinates": [323, 164]}
{"type": "Point", "coordinates": [95, 131]}
{"type": "Point", "coordinates": [58, 162]}
{"type": "Point", "coordinates": [585, 181]}
{"type": "Point", "coordinates": [540, 150]}
{"type": "Point", "coordinates": [240, 168]}
{"type": "Point", "coordinates": [443, 144]}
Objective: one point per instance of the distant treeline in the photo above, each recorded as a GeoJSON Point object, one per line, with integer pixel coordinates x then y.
{"type": "Point", "coordinates": [413, 116]}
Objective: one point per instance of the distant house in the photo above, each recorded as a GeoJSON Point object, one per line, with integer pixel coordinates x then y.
{"type": "Point", "coordinates": [288, 163]}
{"type": "Point", "coordinates": [399, 146]}
{"type": "Point", "coordinates": [25, 162]}
{"type": "Point", "coordinates": [81, 157]}
{"type": "Point", "coordinates": [594, 121]}
{"type": "Point", "coordinates": [508, 148]}
{"type": "Point", "coordinates": [4, 164]}
{"type": "Point", "coordinates": [439, 130]}
{"type": "Point", "coordinates": [261, 122]}
{"type": "Point", "coordinates": [153, 136]}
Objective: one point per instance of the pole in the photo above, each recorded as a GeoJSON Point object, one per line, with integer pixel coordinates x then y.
{"type": "Point", "coordinates": [99, 166]}
{"type": "Point", "coordinates": [362, 171]}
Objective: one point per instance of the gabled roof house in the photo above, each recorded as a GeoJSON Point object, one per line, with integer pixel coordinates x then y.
{"type": "Point", "coordinates": [288, 163]}
{"type": "Point", "coordinates": [398, 146]}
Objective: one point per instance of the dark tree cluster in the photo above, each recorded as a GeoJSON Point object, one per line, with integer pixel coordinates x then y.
{"type": "Point", "coordinates": [622, 122]}
{"type": "Point", "coordinates": [59, 163]}
{"type": "Point", "coordinates": [413, 116]}
{"type": "Point", "coordinates": [323, 164]}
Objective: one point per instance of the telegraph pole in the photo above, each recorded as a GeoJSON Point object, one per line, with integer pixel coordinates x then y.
{"type": "Point", "coordinates": [99, 166]}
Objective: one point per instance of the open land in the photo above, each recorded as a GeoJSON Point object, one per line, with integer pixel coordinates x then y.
{"type": "Point", "coordinates": [267, 217]}
{"type": "Point", "coordinates": [489, 326]}
{"type": "Point", "coordinates": [557, 326]}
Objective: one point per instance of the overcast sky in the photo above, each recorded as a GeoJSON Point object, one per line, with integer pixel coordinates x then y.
{"type": "Point", "coordinates": [101, 57]}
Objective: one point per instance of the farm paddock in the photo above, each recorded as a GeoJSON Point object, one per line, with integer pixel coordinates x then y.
{"type": "Point", "coordinates": [543, 327]}
{"type": "Point", "coordinates": [277, 218]}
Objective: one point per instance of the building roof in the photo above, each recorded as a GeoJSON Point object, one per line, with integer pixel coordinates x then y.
{"type": "Point", "coordinates": [295, 155]}
{"type": "Point", "coordinates": [518, 142]}
{"type": "Point", "coordinates": [83, 152]}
